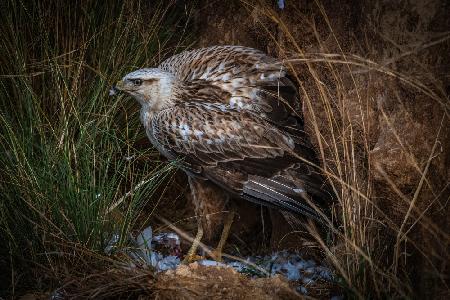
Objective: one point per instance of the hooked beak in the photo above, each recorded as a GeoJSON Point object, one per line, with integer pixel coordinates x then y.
{"type": "Point", "coordinates": [115, 89]}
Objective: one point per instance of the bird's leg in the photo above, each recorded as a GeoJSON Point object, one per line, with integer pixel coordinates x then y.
{"type": "Point", "coordinates": [217, 253]}
{"type": "Point", "coordinates": [192, 253]}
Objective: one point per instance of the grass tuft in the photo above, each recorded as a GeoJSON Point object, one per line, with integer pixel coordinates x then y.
{"type": "Point", "coordinates": [69, 152]}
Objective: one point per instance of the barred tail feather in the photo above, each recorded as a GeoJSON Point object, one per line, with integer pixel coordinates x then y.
{"type": "Point", "coordinates": [279, 195]}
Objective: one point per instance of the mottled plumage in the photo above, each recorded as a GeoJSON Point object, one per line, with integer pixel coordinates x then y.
{"type": "Point", "coordinates": [233, 117]}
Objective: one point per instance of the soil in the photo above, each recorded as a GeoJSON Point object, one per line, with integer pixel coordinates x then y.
{"type": "Point", "coordinates": [199, 282]}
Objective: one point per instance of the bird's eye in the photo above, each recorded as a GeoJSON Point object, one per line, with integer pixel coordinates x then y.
{"type": "Point", "coordinates": [137, 82]}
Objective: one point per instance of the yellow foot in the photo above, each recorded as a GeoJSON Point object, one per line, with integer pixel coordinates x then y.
{"type": "Point", "coordinates": [217, 253]}
{"type": "Point", "coordinates": [192, 256]}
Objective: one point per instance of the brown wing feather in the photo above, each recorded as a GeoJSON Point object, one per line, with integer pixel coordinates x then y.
{"type": "Point", "coordinates": [243, 154]}
{"type": "Point", "coordinates": [211, 134]}
{"type": "Point", "coordinates": [247, 78]}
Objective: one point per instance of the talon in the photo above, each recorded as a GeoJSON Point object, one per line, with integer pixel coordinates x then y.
{"type": "Point", "coordinates": [192, 258]}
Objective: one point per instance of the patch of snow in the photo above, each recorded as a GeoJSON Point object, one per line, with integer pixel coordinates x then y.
{"type": "Point", "coordinates": [307, 280]}
{"type": "Point", "coordinates": [238, 266]}
{"type": "Point", "coordinates": [143, 249]}
{"type": "Point", "coordinates": [291, 271]}
{"type": "Point", "coordinates": [167, 237]}
{"type": "Point", "coordinates": [111, 245]}
{"type": "Point", "coordinates": [112, 92]}
{"type": "Point", "coordinates": [168, 263]}
{"type": "Point", "coordinates": [144, 239]}
{"type": "Point", "coordinates": [168, 256]}
{"type": "Point", "coordinates": [211, 263]}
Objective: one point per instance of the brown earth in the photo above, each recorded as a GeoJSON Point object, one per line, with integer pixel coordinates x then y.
{"type": "Point", "coordinates": [199, 282]}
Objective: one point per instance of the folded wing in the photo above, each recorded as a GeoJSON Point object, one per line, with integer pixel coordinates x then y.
{"type": "Point", "coordinates": [240, 152]}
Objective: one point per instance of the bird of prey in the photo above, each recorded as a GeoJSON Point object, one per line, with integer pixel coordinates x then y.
{"type": "Point", "coordinates": [232, 117]}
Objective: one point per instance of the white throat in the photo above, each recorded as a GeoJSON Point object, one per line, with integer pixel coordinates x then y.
{"type": "Point", "coordinates": [165, 89]}
{"type": "Point", "coordinates": [159, 96]}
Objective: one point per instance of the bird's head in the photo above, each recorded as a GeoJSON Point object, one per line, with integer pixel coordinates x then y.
{"type": "Point", "coordinates": [151, 87]}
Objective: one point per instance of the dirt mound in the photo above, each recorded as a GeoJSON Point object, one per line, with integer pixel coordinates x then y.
{"type": "Point", "coordinates": [200, 282]}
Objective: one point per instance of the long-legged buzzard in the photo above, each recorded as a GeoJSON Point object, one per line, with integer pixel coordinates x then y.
{"type": "Point", "coordinates": [232, 117]}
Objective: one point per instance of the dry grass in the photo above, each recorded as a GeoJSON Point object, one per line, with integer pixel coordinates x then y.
{"type": "Point", "coordinates": [375, 246]}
